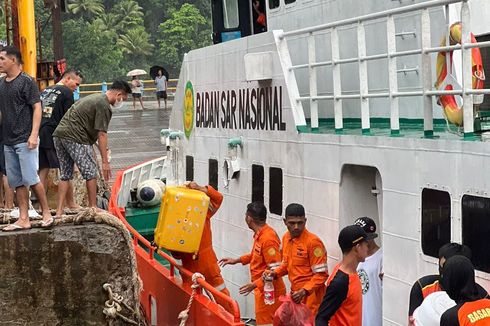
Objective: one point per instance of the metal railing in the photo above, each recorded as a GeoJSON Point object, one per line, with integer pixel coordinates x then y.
{"type": "Point", "coordinates": [427, 91]}
{"type": "Point", "coordinates": [87, 89]}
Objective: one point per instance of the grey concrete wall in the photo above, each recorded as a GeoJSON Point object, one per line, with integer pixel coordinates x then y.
{"type": "Point", "coordinates": [55, 277]}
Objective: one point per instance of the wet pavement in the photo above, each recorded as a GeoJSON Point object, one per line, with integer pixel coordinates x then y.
{"type": "Point", "coordinates": [134, 135]}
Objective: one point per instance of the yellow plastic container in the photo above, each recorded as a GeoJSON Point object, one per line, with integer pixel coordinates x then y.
{"type": "Point", "coordinates": [181, 219]}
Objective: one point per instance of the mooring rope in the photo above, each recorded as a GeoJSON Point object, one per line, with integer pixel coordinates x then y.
{"type": "Point", "coordinates": [80, 216]}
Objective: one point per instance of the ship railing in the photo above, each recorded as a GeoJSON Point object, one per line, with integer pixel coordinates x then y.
{"type": "Point", "coordinates": [151, 251]}
{"type": "Point", "coordinates": [148, 87]}
{"type": "Point", "coordinates": [427, 91]}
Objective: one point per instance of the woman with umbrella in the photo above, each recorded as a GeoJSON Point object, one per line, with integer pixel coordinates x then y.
{"type": "Point", "coordinates": [137, 86]}
{"type": "Point", "coordinates": [161, 80]}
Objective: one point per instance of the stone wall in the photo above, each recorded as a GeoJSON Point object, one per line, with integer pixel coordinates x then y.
{"type": "Point", "coordinates": [55, 277]}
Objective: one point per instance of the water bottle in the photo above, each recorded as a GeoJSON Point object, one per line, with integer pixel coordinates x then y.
{"type": "Point", "coordinates": [269, 298]}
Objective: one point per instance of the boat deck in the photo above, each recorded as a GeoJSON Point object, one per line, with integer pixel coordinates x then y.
{"type": "Point", "coordinates": [134, 136]}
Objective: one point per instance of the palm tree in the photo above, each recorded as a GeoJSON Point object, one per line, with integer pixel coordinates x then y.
{"type": "Point", "coordinates": [130, 13]}
{"type": "Point", "coordinates": [108, 22]}
{"type": "Point", "coordinates": [135, 43]}
{"type": "Point", "coordinates": [86, 8]}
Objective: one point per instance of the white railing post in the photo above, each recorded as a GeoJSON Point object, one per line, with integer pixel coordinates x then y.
{"type": "Point", "coordinates": [426, 75]}
{"type": "Point", "coordinates": [393, 76]}
{"type": "Point", "coordinates": [468, 119]}
{"type": "Point", "coordinates": [337, 81]}
{"type": "Point", "coordinates": [313, 84]}
{"type": "Point", "coordinates": [363, 79]}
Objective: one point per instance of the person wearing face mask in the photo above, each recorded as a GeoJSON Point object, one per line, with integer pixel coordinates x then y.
{"type": "Point", "coordinates": [86, 123]}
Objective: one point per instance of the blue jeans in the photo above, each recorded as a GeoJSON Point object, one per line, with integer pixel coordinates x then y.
{"type": "Point", "coordinates": [21, 164]}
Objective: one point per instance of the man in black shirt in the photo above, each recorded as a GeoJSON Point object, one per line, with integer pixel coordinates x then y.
{"type": "Point", "coordinates": [21, 117]}
{"type": "Point", "coordinates": [56, 100]}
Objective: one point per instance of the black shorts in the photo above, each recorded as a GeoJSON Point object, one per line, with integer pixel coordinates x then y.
{"type": "Point", "coordinates": [136, 95]}
{"type": "Point", "coordinates": [48, 158]}
{"type": "Point", "coordinates": [162, 94]}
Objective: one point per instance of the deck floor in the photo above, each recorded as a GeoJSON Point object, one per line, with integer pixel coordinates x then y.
{"type": "Point", "coordinates": [134, 136]}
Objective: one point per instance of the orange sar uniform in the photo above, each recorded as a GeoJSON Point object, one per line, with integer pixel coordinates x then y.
{"type": "Point", "coordinates": [304, 259]}
{"type": "Point", "coordinates": [266, 254]}
{"type": "Point", "coordinates": [206, 262]}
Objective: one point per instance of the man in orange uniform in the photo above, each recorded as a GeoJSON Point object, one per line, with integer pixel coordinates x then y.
{"type": "Point", "coordinates": [304, 259]}
{"type": "Point", "coordinates": [205, 262]}
{"type": "Point", "coordinates": [265, 254]}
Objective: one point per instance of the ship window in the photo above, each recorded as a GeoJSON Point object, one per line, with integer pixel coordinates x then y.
{"type": "Point", "coordinates": [213, 173]}
{"type": "Point", "coordinates": [476, 229]}
{"type": "Point", "coordinates": [436, 220]}
{"type": "Point", "coordinates": [230, 13]}
{"type": "Point", "coordinates": [257, 183]}
{"type": "Point", "coordinates": [275, 191]}
{"type": "Point", "coordinates": [289, 1]}
{"type": "Point", "coordinates": [189, 168]}
{"type": "Point", "coordinates": [273, 4]}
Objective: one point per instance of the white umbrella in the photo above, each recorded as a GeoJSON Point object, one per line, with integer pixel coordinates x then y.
{"type": "Point", "coordinates": [136, 72]}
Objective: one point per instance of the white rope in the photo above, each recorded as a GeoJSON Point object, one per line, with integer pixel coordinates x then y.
{"type": "Point", "coordinates": [113, 308]}
{"type": "Point", "coordinates": [184, 314]}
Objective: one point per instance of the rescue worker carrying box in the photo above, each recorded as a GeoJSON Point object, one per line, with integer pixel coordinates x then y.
{"type": "Point", "coordinates": [184, 227]}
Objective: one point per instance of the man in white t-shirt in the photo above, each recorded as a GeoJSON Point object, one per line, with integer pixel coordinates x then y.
{"type": "Point", "coordinates": [371, 274]}
{"type": "Point", "coordinates": [161, 86]}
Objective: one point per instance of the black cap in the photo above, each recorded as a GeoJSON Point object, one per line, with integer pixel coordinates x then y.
{"type": "Point", "coordinates": [367, 224]}
{"type": "Point", "coordinates": [352, 235]}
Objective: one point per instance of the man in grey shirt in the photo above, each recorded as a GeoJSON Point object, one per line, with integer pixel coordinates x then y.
{"type": "Point", "coordinates": [20, 106]}
{"type": "Point", "coordinates": [161, 85]}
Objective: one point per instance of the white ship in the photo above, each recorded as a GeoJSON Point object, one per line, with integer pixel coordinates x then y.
{"type": "Point", "coordinates": [335, 107]}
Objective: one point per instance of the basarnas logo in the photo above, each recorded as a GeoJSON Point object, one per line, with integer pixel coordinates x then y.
{"type": "Point", "coordinates": [188, 114]}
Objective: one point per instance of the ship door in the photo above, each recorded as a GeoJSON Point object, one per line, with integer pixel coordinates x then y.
{"type": "Point", "coordinates": [361, 195]}
{"type": "Point", "coordinates": [234, 19]}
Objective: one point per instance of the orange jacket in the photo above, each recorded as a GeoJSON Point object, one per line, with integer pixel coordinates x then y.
{"type": "Point", "coordinates": [266, 254]}
{"type": "Point", "coordinates": [206, 262]}
{"type": "Point", "coordinates": [304, 259]}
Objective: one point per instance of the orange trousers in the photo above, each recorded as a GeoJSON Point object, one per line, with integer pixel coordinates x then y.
{"type": "Point", "coordinates": [264, 314]}
{"type": "Point", "coordinates": [315, 298]}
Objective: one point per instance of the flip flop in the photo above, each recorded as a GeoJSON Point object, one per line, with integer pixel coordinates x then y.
{"type": "Point", "coordinates": [14, 227]}
{"type": "Point", "coordinates": [47, 224]}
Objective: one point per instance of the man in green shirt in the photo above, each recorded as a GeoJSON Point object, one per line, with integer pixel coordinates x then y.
{"type": "Point", "coordinates": [86, 123]}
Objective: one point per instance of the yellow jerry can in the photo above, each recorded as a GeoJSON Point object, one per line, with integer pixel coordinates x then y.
{"type": "Point", "coordinates": [181, 219]}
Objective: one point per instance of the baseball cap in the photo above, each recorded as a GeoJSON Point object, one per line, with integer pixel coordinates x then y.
{"type": "Point", "coordinates": [367, 224]}
{"type": "Point", "coordinates": [352, 235]}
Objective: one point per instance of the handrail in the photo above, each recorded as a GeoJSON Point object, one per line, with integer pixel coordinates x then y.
{"type": "Point", "coordinates": [373, 16]}
{"type": "Point", "coordinates": [139, 239]}
{"type": "Point", "coordinates": [426, 90]}
{"type": "Point", "coordinates": [102, 87]}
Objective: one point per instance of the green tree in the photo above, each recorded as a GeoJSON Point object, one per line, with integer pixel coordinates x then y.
{"type": "Point", "coordinates": [86, 8]}
{"type": "Point", "coordinates": [108, 22]}
{"type": "Point", "coordinates": [129, 13]}
{"type": "Point", "coordinates": [91, 51]}
{"type": "Point", "coordinates": [187, 29]}
{"type": "Point", "coordinates": [135, 44]}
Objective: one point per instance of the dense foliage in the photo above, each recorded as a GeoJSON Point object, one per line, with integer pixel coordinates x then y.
{"type": "Point", "coordinates": [107, 38]}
